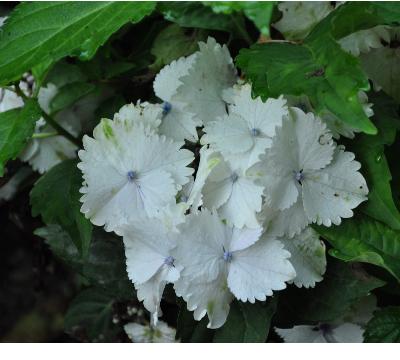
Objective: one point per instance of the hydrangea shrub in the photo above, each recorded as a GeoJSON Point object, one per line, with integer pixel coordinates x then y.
{"type": "Point", "coordinates": [225, 171]}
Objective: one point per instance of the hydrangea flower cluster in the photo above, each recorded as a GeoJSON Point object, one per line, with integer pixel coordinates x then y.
{"type": "Point", "coordinates": [213, 190]}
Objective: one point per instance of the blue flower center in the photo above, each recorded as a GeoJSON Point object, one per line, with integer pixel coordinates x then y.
{"type": "Point", "coordinates": [166, 107]}
{"type": "Point", "coordinates": [255, 132]}
{"type": "Point", "coordinates": [234, 177]}
{"type": "Point", "coordinates": [131, 175]}
{"type": "Point", "coordinates": [169, 260]}
{"type": "Point", "coordinates": [299, 176]}
{"type": "Point", "coordinates": [227, 256]}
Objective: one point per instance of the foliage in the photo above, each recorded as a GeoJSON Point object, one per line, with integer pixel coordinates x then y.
{"type": "Point", "coordinates": [64, 66]}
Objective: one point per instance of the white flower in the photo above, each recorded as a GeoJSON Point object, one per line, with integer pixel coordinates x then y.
{"type": "Point", "coordinates": [299, 17]}
{"type": "Point", "coordinates": [307, 257]}
{"type": "Point", "coordinates": [177, 122]}
{"type": "Point", "coordinates": [303, 164]}
{"type": "Point", "coordinates": [130, 171]}
{"type": "Point", "coordinates": [337, 126]}
{"type": "Point", "coordinates": [232, 191]}
{"type": "Point", "coordinates": [42, 153]}
{"type": "Point", "coordinates": [9, 100]}
{"type": "Point", "coordinates": [149, 115]}
{"type": "Point", "coordinates": [322, 333]}
{"type": "Point", "coordinates": [161, 333]}
{"type": "Point", "coordinates": [149, 263]}
{"type": "Point", "coordinates": [218, 259]}
{"type": "Point", "coordinates": [347, 329]}
{"type": "Point", "coordinates": [202, 88]}
{"type": "Point", "coordinates": [244, 134]}
{"type": "Point", "coordinates": [363, 41]}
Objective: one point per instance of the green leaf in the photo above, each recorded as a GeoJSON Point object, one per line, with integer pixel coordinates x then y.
{"type": "Point", "coordinates": [330, 77]}
{"type": "Point", "coordinates": [247, 322]}
{"type": "Point", "coordinates": [189, 330]}
{"type": "Point", "coordinates": [259, 12]}
{"type": "Point", "coordinates": [343, 285]}
{"type": "Point", "coordinates": [39, 32]}
{"type": "Point", "coordinates": [105, 265]}
{"type": "Point", "coordinates": [369, 151]}
{"type": "Point", "coordinates": [16, 128]}
{"type": "Point", "coordinates": [69, 94]}
{"type": "Point", "coordinates": [91, 311]}
{"type": "Point", "coordinates": [196, 15]}
{"type": "Point", "coordinates": [172, 43]}
{"type": "Point", "coordinates": [384, 327]}
{"type": "Point", "coordinates": [55, 196]}
{"type": "Point", "coordinates": [365, 240]}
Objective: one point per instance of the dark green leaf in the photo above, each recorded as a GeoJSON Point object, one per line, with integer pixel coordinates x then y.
{"type": "Point", "coordinates": [172, 43]}
{"type": "Point", "coordinates": [91, 311]}
{"type": "Point", "coordinates": [259, 12]}
{"type": "Point", "coordinates": [103, 267]}
{"type": "Point", "coordinates": [384, 327]}
{"type": "Point", "coordinates": [365, 240]}
{"type": "Point", "coordinates": [38, 32]}
{"type": "Point", "coordinates": [369, 151]}
{"type": "Point", "coordinates": [247, 322]}
{"type": "Point", "coordinates": [343, 285]}
{"type": "Point", "coordinates": [69, 94]}
{"type": "Point", "coordinates": [330, 77]}
{"type": "Point", "coordinates": [16, 128]}
{"type": "Point", "coordinates": [55, 196]}
{"type": "Point", "coordinates": [196, 15]}
{"type": "Point", "coordinates": [190, 330]}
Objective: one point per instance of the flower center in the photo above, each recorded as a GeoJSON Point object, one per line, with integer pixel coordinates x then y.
{"type": "Point", "coordinates": [255, 132]}
{"type": "Point", "coordinates": [299, 176]}
{"type": "Point", "coordinates": [169, 260]}
{"type": "Point", "coordinates": [227, 256]}
{"type": "Point", "coordinates": [166, 107]}
{"type": "Point", "coordinates": [234, 177]}
{"type": "Point", "coordinates": [131, 175]}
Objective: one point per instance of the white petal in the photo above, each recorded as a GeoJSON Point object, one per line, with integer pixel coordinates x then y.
{"type": "Point", "coordinates": [307, 257]}
{"type": "Point", "coordinates": [348, 333]}
{"type": "Point", "coordinates": [258, 270]}
{"type": "Point", "coordinates": [201, 89]}
{"type": "Point", "coordinates": [363, 41]}
{"type": "Point", "coordinates": [161, 333]}
{"type": "Point", "coordinates": [168, 79]}
{"type": "Point", "coordinates": [200, 246]}
{"type": "Point", "coordinates": [243, 204]}
{"type": "Point", "coordinates": [211, 298]}
{"type": "Point", "coordinates": [302, 334]}
{"type": "Point", "coordinates": [208, 160]}
{"type": "Point", "coordinates": [149, 115]}
{"type": "Point", "coordinates": [299, 17]}
{"type": "Point", "coordinates": [331, 194]}
{"type": "Point", "coordinates": [243, 238]}
{"type": "Point", "coordinates": [287, 222]}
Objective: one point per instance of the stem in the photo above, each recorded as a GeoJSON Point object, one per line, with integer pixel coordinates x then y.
{"type": "Point", "coordinates": [44, 135]}
{"type": "Point", "coordinates": [60, 130]}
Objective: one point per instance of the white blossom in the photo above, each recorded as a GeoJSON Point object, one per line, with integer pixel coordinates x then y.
{"type": "Point", "coordinates": [232, 191]}
{"type": "Point", "coordinates": [244, 134]}
{"type": "Point", "coordinates": [299, 17]}
{"type": "Point", "coordinates": [304, 165]}
{"type": "Point", "coordinates": [129, 171]}
{"type": "Point", "coordinates": [307, 257]}
{"type": "Point", "coordinates": [218, 260]}
{"type": "Point", "coordinates": [149, 263]}
{"type": "Point", "coordinates": [202, 88]}
{"type": "Point", "coordinates": [363, 41]}
{"type": "Point", "coordinates": [139, 333]}
{"type": "Point", "coordinates": [177, 123]}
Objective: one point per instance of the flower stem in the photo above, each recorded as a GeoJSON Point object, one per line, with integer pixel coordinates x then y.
{"type": "Point", "coordinates": [60, 130]}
